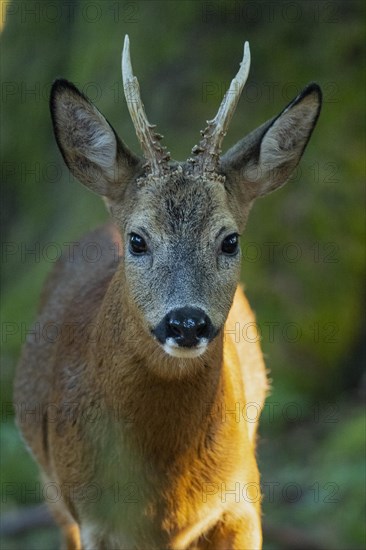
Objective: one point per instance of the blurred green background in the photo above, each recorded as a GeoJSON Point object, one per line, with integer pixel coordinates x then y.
{"type": "Point", "coordinates": [303, 248]}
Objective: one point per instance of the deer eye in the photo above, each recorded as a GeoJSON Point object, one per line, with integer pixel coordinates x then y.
{"type": "Point", "coordinates": [137, 244]}
{"type": "Point", "coordinates": [230, 244]}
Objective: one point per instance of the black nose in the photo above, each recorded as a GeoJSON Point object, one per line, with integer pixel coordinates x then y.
{"type": "Point", "coordinates": [187, 326]}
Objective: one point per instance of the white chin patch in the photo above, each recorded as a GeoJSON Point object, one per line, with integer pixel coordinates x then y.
{"type": "Point", "coordinates": [171, 348]}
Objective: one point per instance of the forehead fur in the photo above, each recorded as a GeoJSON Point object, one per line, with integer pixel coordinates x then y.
{"type": "Point", "coordinates": [181, 202]}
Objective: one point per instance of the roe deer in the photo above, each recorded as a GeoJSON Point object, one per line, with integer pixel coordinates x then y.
{"type": "Point", "coordinates": [136, 394]}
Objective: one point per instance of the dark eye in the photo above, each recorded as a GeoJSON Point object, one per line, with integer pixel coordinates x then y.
{"type": "Point", "coordinates": [230, 244]}
{"type": "Point", "coordinates": [137, 244]}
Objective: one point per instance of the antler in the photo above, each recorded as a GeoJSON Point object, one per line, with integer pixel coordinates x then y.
{"type": "Point", "coordinates": [154, 153]}
{"type": "Point", "coordinates": [209, 148]}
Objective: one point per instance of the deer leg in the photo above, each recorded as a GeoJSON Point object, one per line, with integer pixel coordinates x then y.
{"type": "Point", "coordinates": [69, 528]}
{"type": "Point", "coordinates": [71, 534]}
{"type": "Point", "coordinates": [243, 534]}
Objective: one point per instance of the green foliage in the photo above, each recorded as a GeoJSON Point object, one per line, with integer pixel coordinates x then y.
{"type": "Point", "coordinates": [303, 259]}
{"type": "Point", "coordinates": [320, 475]}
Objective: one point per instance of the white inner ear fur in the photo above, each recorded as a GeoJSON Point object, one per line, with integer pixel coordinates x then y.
{"type": "Point", "coordinates": [99, 143]}
{"type": "Point", "coordinates": [285, 140]}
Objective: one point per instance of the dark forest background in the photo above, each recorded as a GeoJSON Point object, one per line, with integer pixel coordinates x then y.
{"type": "Point", "coordinates": [303, 248]}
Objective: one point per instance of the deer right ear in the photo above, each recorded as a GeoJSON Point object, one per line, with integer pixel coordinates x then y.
{"type": "Point", "coordinates": [90, 147]}
{"type": "Point", "coordinates": [265, 159]}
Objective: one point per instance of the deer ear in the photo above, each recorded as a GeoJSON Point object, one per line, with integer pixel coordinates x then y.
{"type": "Point", "coordinates": [89, 145]}
{"type": "Point", "coordinates": [265, 159]}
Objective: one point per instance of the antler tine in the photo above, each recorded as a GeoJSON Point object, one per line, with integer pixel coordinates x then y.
{"type": "Point", "coordinates": [209, 148]}
{"type": "Point", "coordinates": [154, 153]}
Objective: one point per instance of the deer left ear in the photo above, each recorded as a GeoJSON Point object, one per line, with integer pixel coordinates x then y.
{"type": "Point", "coordinates": [265, 159]}
{"type": "Point", "coordinates": [90, 147]}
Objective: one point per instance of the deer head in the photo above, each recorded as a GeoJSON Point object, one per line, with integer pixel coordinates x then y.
{"type": "Point", "coordinates": [180, 222]}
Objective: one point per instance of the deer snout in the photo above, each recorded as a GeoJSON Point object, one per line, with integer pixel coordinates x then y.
{"type": "Point", "coordinates": [186, 327]}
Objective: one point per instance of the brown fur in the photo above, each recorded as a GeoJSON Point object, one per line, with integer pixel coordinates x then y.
{"type": "Point", "coordinates": [149, 450]}
{"type": "Point", "coordinates": [183, 427]}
